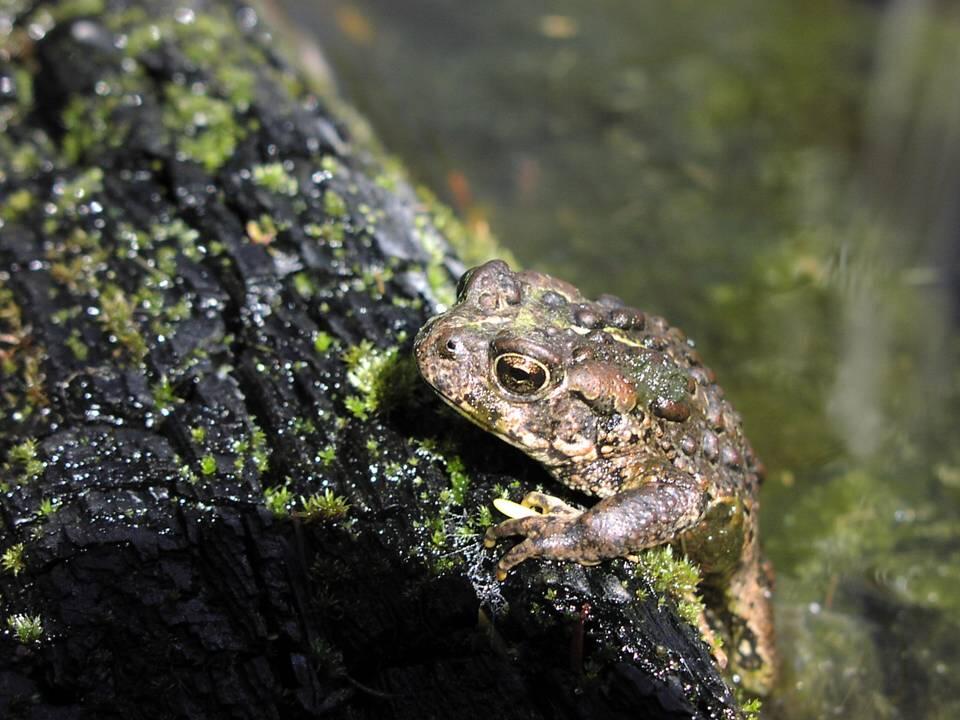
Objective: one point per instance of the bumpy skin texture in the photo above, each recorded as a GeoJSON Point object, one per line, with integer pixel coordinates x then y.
{"type": "Point", "coordinates": [616, 404]}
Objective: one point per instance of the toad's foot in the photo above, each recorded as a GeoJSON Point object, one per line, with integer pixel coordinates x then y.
{"type": "Point", "coordinates": [641, 517]}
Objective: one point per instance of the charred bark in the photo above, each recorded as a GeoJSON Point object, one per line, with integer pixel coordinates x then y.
{"type": "Point", "coordinates": [225, 492]}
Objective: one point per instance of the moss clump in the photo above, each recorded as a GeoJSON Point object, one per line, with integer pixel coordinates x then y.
{"type": "Point", "coordinates": [324, 506]}
{"type": "Point", "coordinates": [17, 204]}
{"type": "Point", "coordinates": [12, 560]}
{"type": "Point", "coordinates": [322, 341]}
{"type": "Point", "coordinates": [208, 465]}
{"type": "Point", "coordinates": [333, 205]}
{"type": "Point", "coordinates": [25, 628]}
{"type": "Point", "coordinates": [76, 345]}
{"type": "Point", "coordinates": [117, 318]}
{"type": "Point", "coordinates": [675, 577]}
{"type": "Point", "coordinates": [274, 177]}
{"type": "Point", "coordinates": [382, 377]}
{"type": "Point", "coordinates": [49, 506]}
{"type": "Point", "coordinates": [459, 480]}
{"type": "Point", "coordinates": [204, 127]}
{"type": "Point", "coordinates": [164, 397]}
{"type": "Point", "coordinates": [278, 500]}
{"type": "Point", "coordinates": [327, 455]}
{"type": "Point", "coordinates": [22, 459]}
{"type": "Point", "coordinates": [90, 124]}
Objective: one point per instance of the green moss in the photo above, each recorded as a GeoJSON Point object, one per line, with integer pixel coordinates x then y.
{"type": "Point", "coordinates": [208, 465]}
{"type": "Point", "coordinates": [275, 178]}
{"type": "Point", "coordinates": [322, 341]}
{"type": "Point", "coordinates": [90, 125]}
{"type": "Point", "coordinates": [80, 190]}
{"type": "Point", "coordinates": [459, 480]}
{"type": "Point", "coordinates": [383, 378]}
{"type": "Point", "coordinates": [68, 9]}
{"type": "Point", "coordinates": [48, 506]}
{"type": "Point", "coordinates": [278, 500]}
{"type": "Point", "coordinates": [204, 127]}
{"type": "Point", "coordinates": [333, 205]}
{"type": "Point", "coordinates": [324, 506]}
{"type": "Point", "coordinates": [198, 434]}
{"type": "Point", "coordinates": [25, 628]}
{"type": "Point", "coordinates": [12, 560]}
{"type": "Point", "coordinates": [23, 459]}
{"type": "Point", "coordinates": [117, 318]}
{"type": "Point", "coordinates": [16, 205]}
{"type": "Point", "coordinates": [675, 577]}
{"type": "Point", "coordinates": [164, 397]}
{"type": "Point", "coordinates": [76, 345]}
{"type": "Point", "coordinates": [327, 454]}
{"type": "Point", "coordinates": [749, 706]}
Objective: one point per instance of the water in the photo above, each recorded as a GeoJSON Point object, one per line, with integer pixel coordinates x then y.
{"type": "Point", "coordinates": [780, 179]}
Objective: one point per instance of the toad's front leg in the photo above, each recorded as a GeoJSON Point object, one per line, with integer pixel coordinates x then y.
{"type": "Point", "coordinates": [651, 513]}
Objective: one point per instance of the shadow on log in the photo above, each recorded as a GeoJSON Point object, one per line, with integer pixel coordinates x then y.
{"type": "Point", "coordinates": [225, 493]}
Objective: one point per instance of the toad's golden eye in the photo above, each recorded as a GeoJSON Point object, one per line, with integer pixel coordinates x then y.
{"type": "Point", "coordinates": [520, 374]}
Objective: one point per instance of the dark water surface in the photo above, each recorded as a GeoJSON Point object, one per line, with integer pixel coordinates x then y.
{"type": "Point", "coordinates": [780, 179]}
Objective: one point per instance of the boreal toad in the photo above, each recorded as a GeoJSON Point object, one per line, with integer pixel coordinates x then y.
{"type": "Point", "coordinates": [616, 404]}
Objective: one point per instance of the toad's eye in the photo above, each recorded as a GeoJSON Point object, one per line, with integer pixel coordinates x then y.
{"type": "Point", "coordinates": [520, 374]}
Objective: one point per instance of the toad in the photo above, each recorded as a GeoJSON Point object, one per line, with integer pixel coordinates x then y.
{"type": "Point", "coordinates": [618, 405]}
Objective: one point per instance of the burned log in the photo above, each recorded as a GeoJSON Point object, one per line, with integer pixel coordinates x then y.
{"type": "Point", "coordinates": [225, 492]}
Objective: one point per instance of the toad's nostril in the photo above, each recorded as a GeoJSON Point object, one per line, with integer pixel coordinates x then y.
{"type": "Point", "coordinates": [451, 347]}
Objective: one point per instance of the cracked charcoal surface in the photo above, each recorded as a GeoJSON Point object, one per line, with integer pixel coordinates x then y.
{"type": "Point", "coordinates": [191, 245]}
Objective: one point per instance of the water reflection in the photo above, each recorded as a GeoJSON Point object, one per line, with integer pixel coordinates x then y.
{"type": "Point", "coordinates": [779, 179]}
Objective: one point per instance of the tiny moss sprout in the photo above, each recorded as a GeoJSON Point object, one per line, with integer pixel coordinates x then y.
{"type": "Point", "coordinates": [324, 506]}
{"type": "Point", "coordinates": [327, 454]}
{"type": "Point", "coordinates": [208, 465]}
{"type": "Point", "coordinates": [26, 628]}
{"type": "Point", "coordinates": [459, 480]}
{"type": "Point", "coordinates": [278, 500]}
{"type": "Point", "coordinates": [24, 458]}
{"type": "Point", "coordinates": [198, 434]}
{"type": "Point", "coordinates": [322, 341]}
{"type": "Point", "coordinates": [163, 395]}
{"type": "Point", "coordinates": [750, 707]}
{"type": "Point", "coordinates": [334, 205]}
{"type": "Point", "coordinates": [274, 177]}
{"type": "Point", "coordinates": [48, 506]}
{"type": "Point", "coordinates": [12, 559]}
